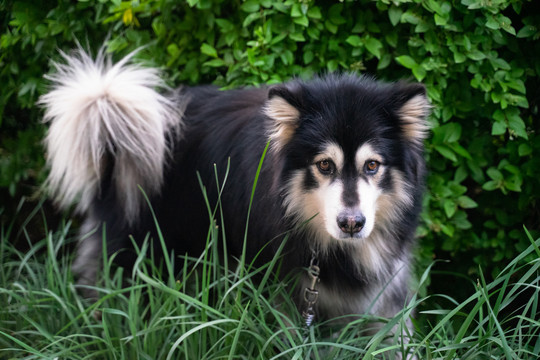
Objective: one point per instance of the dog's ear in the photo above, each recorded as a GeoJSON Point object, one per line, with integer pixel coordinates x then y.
{"type": "Point", "coordinates": [283, 109]}
{"type": "Point", "coordinates": [413, 108]}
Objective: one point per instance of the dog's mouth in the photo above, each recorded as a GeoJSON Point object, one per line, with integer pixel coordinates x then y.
{"type": "Point", "coordinates": [348, 236]}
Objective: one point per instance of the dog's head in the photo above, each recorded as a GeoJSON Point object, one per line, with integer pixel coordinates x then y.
{"type": "Point", "coordinates": [351, 153]}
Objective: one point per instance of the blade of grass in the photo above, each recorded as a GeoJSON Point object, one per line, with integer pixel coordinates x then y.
{"type": "Point", "coordinates": [232, 351]}
{"type": "Point", "coordinates": [212, 323]}
{"type": "Point", "coordinates": [23, 345]}
{"type": "Point", "coordinates": [254, 187]}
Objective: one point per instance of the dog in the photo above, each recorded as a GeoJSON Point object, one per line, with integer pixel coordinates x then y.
{"type": "Point", "coordinates": [341, 179]}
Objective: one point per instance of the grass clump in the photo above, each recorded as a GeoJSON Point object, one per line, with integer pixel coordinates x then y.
{"type": "Point", "coordinates": [218, 310]}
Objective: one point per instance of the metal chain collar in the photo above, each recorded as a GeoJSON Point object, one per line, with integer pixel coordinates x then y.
{"type": "Point", "coordinates": [311, 294]}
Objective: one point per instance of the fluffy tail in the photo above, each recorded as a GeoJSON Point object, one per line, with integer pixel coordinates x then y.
{"type": "Point", "coordinates": [106, 117]}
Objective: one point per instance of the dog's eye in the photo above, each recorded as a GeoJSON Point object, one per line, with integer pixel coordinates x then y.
{"type": "Point", "coordinates": [372, 167]}
{"type": "Point", "coordinates": [326, 167]}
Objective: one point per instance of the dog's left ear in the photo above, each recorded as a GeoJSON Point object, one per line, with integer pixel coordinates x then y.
{"type": "Point", "coordinates": [283, 108]}
{"type": "Point", "coordinates": [413, 108]}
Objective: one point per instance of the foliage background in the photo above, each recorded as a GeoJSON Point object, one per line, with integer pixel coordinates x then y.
{"type": "Point", "coordinates": [479, 60]}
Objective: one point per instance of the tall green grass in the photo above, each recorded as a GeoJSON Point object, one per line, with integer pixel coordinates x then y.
{"type": "Point", "coordinates": [216, 309]}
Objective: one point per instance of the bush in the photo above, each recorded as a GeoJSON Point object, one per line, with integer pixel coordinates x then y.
{"type": "Point", "coordinates": [479, 61]}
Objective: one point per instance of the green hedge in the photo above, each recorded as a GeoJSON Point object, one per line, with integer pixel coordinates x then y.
{"type": "Point", "coordinates": [479, 60]}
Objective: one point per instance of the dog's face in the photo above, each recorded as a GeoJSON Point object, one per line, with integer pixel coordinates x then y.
{"type": "Point", "coordinates": [351, 152]}
{"type": "Point", "coordinates": [340, 189]}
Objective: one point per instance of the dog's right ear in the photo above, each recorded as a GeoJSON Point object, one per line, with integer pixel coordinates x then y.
{"type": "Point", "coordinates": [414, 108]}
{"type": "Point", "coordinates": [283, 108]}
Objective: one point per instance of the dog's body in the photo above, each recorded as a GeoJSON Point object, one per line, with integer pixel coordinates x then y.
{"type": "Point", "coordinates": [342, 178]}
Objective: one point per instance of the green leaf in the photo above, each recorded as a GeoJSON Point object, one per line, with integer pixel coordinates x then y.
{"type": "Point", "coordinates": [331, 27]}
{"type": "Point", "coordinates": [386, 59]}
{"type": "Point", "coordinates": [448, 229]}
{"type": "Point", "coordinates": [308, 57]}
{"type": "Point", "coordinates": [225, 25]}
{"type": "Point", "coordinates": [56, 28]}
{"type": "Point", "coordinates": [391, 39]}
{"type": "Point", "coordinates": [406, 61]}
{"type": "Point", "coordinates": [440, 20]}
{"type": "Point", "coordinates": [394, 14]}
{"type": "Point", "coordinates": [419, 72]}
{"type": "Point", "coordinates": [251, 18]}
{"type": "Point", "coordinates": [524, 149]}
{"type": "Point", "coordinates": [303, 21]}
{"type": "Point", "coordinates": [209, 50]}
{"type": "Point", "coordinates": [494, 173]}
{"type": "Point", "coordinates": [250, 6]}
{"type": "Point", "coordinates": [447, 134]}
{"type": "Point", "coordinates": [498, 128]}
{"type": "Point", "coordinates": [460, 150]}
{"type": "Point", "coordinates": [313, 32]}
{"type": "Point", "coordinates": [506, 24]}
{"type": "Point", "coordinates": [214, 63]}
{"type": "Point", "coordinates": [230, 38]}
{"type": "Point", "coordinates": [173, 50]}
{"type": "Point", "coordinates": [422, 27]}
{"type": "Point", "coordinates": [518, 126]}
{"type": "Point", "coordinates": [452, 132]}
{"type": "Point", "coordinates": [513, 183]}
{"type": "Point", "coordinates": [476, 171]}
{"type": "Point", "coordinates": [513, 169]}
{"type": "Point", "coordinates": [492, 23]}
{"type": "Point", "coordinates": [460, 174]}
{"type": "Point", "coordinates": [457, 189]}
{"type": "Point", "coordinates": [374, 46]}
{"type": "Point", "coordinates": [281, 7]}
{"type": "Point", "coordinates": [459, 57]}
{"type": "Point", "coordinates": [159, 28]}
{"type": "Point", "coordinates": [354, 40]}
{"type": "Point", "coordinates": [449, 208]}
{"type": "Point", "coordinates": [491, 185]}
{"type": "Point", "coordinates": [499, 116]}
{"type": "Point", "coordinates": [297, 36]}
{"type": "Point", "coordinates": [461, 222]}
{"type": "Point", "coordinates": [476, 55]}
{"type": "Point", "coordinates": [334, 14]}
{"type": "Point", "coordinates": [527, 31]}
{"type": "Point", "coordinates": [434, 6]}
{"type": "Point", "coordinates": [410, 17]}
{"type": "Point", "coordinates": [499, 63]}
{"type": "Point", "coordinates": [279, 38]}
{"type": "Point", "coordinates": [446, 8]}
{"type": "Point", "coordinates": [466, 202]}
{"type": "Point", "coordinates": [332, 65]}
{"type": "Point", "coordinates": [314, 13]}
{"type": "Point", "coordinates": [517, 84]}
{"type": "Point", "coordinates": [446, 152]}
{"type": "Point", "coordinates": [518, 100]}
{"type": "Point", "coordinates": [287, 57]}
{"type": "Point", "coordinates": [296, 10]}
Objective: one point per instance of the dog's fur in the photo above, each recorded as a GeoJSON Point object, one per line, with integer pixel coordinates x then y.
{"type": "Point", "coordinates": [343, 176]}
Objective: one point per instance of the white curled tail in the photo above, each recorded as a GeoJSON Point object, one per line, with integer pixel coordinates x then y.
{"type": "Point", "coordinates": [100, 112]}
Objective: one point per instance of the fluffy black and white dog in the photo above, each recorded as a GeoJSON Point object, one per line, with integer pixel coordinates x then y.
{"type": "Point", "coordinates": [342, 178]}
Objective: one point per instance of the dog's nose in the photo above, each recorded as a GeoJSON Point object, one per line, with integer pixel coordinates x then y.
{"type": "Point", "coordinates": [351, 223]}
